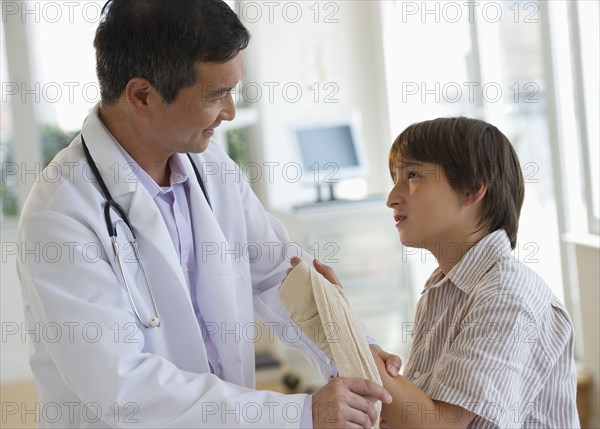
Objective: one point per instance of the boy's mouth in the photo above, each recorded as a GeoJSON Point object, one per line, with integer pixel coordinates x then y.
{"type": "Point", "coordinates": [399, 218]}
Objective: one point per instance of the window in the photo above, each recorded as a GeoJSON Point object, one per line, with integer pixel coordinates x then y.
{"type": "Point", "coordinates": [586, 33]}
{"type": "Point", "coordinates": [8, 194]}
{"type": "Point", "coordinates": [484, 60]}
{"type": "Point", "coordinates": [48, 87]}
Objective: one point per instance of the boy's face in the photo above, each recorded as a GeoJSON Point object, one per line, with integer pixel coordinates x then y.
{"type": "Point", "coordinates": [427, 210]}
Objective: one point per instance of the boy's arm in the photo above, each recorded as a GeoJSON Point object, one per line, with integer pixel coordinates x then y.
{"type": "Point", "coordinates": [412, 408]}
{"type": "Point", "coordinates": [391, 361]}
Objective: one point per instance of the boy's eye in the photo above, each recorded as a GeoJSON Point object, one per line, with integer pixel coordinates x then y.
{"type": "Point", "coordinates": [412, 175]}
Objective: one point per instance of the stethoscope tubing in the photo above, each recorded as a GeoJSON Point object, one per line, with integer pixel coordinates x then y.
{"type": "Point", "coordinates": [110, 203]}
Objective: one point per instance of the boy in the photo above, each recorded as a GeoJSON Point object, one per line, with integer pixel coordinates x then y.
{"type": "Point", "coordinates": [492, 347]}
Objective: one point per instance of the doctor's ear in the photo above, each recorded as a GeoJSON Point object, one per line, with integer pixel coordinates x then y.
{"type": "Point", "coordinates": [137, 95]}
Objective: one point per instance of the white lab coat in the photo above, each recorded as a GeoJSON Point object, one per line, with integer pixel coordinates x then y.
{"type": "Point", "coordinates": [94, 365]}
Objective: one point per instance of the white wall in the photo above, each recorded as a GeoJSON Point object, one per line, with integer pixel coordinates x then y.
{"type": "Point", "coordinates": [14, 364]}
{"type": "Point", "coordinates": [346, 54]}
{"type": "Point", "coordinates": [587, 255]}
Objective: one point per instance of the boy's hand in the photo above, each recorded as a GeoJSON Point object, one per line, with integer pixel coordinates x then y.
{"type": "Point", "coordinates": [392, 362]}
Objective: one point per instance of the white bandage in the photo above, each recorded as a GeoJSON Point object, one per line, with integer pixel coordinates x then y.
{"type": "Point", "coordinates": [323, 312]}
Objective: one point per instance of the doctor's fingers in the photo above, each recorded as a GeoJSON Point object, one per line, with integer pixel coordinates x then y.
{"type": "Point", "coordinates": [366, 388]}
{"type": "Point", "coordinates": [294, 263]}
{"type": "Point", "coordinates": [331, 409]}
{"type": "Point", "coordinates": [343, 402]}
{"type": "Point", "coordinates": [327, 272]}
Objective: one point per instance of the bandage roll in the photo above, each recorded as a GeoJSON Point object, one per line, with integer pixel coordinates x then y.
{"type": "Point", "coordinates": [321, 309]}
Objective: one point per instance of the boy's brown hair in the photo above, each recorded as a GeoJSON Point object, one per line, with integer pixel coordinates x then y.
{"type": "Point", "coordinates": [472, 153]}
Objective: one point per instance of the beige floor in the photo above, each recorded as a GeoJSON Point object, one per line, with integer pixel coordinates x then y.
{"type": "Point", "coordinates": [19, 403]}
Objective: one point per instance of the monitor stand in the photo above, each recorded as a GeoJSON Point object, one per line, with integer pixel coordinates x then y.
{"type": "Point", "coordinates": [320, 198]}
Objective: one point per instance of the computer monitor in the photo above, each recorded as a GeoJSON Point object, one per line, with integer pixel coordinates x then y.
{"type": "Point", "coordinates": [330, 150]}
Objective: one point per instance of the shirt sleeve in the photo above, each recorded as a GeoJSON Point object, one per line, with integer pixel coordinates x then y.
{"type": "Point", "coordinates": [495, 364]}
{"type": "Point", "coordinates": [306, 422]}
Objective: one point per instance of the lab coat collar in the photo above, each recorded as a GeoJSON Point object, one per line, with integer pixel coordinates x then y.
{"type": "Point", "coordinates": [116, 172]}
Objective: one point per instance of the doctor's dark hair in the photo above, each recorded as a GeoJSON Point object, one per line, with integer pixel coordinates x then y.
{"type": "Point", "coordinates": [471, 152]}
{"type": "Point", "coordinates": [161, 41]}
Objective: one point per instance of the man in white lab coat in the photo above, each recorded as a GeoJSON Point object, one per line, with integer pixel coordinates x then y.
{"type": "Point", "coordinates": [167, 342]}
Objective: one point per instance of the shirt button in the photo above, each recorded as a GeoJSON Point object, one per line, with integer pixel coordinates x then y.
{"type": "Point", "coordinates": [417, 374]}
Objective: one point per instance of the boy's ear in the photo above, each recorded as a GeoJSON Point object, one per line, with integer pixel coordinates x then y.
{"type": "Point", "coordinates": [472, 198]}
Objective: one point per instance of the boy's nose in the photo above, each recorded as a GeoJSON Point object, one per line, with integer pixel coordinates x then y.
{"type": "Point", "coordinates": [397, 195]}
{"type": "Point", "coordinates": [392, 199]}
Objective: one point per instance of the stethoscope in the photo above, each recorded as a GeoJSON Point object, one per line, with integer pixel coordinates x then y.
{"type": "Point", "coordinates": [154, 320]}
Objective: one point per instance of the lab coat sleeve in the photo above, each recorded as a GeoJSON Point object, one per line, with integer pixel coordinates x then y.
{"type": "Point", "coordinates": [101, 365]}
{"type": "Point", "coordinates": [268, 271]}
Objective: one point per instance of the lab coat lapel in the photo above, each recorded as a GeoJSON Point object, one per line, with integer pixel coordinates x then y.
{"type": "Point", "coordinates": [179, 326]}
{"type": "Point", "coordinates": [127, 191]}
{"type": "Point", "coordinates": [152, 232]}
{"type": "Point", "coordinates": [178, 319]}
{"type": "Point", "coordinates": [215, 289]}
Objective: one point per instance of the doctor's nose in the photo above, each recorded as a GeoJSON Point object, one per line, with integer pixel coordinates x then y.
{"type": "Point", "coordinates": [228, 111]}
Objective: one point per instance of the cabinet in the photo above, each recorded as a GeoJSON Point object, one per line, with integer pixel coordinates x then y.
{"type": "Point", "coordinates": [359, 241]}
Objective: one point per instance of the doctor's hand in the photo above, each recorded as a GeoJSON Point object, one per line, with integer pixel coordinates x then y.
{"type": "Point", "coordinates": [343, 403]}
{"type": "Point", "coordinates": [294, 263]}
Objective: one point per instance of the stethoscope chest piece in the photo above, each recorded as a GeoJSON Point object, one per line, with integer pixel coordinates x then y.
{"type": "Point", "coordinates": [154, 321]}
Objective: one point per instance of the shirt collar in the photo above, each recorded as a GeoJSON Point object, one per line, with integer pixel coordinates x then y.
{"type": "Point", "coordinates": [474, 264]}
{"type": "Point", "coordinates": [178, 173]}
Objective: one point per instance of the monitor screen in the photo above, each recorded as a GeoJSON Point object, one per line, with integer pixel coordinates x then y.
{"type": "Point", "coordinates": [329, 151]}
{"type": "Point", "coordinates": [323, 145]}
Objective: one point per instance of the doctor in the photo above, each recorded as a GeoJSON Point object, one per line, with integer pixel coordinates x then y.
{"type": "Point", "coordinates": [163, 336]}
